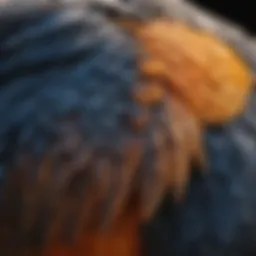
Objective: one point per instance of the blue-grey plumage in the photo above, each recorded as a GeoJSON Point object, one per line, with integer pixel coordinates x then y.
{"type": "Point", "coordinates": [73, 141]}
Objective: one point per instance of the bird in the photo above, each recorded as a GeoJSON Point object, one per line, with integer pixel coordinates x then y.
{"type": "Point", "coordinates": [102, 117]}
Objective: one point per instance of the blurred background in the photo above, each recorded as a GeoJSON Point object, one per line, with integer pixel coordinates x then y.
{"type": "Point", "coordinates": [241, 11]}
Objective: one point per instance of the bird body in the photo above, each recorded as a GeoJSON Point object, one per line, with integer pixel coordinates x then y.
{"type": "Point", "coordinates": [91, 142]}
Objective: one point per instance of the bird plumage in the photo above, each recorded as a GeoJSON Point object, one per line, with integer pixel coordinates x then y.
{"type": "Point", "coordinates": [90, 144]}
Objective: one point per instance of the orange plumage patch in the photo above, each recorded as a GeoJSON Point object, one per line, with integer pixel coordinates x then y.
{"type": "Point", "coordinates": [206, 73]}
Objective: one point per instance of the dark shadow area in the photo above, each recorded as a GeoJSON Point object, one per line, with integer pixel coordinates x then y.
{"type": "Point", "coordinates": [241, 11]}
